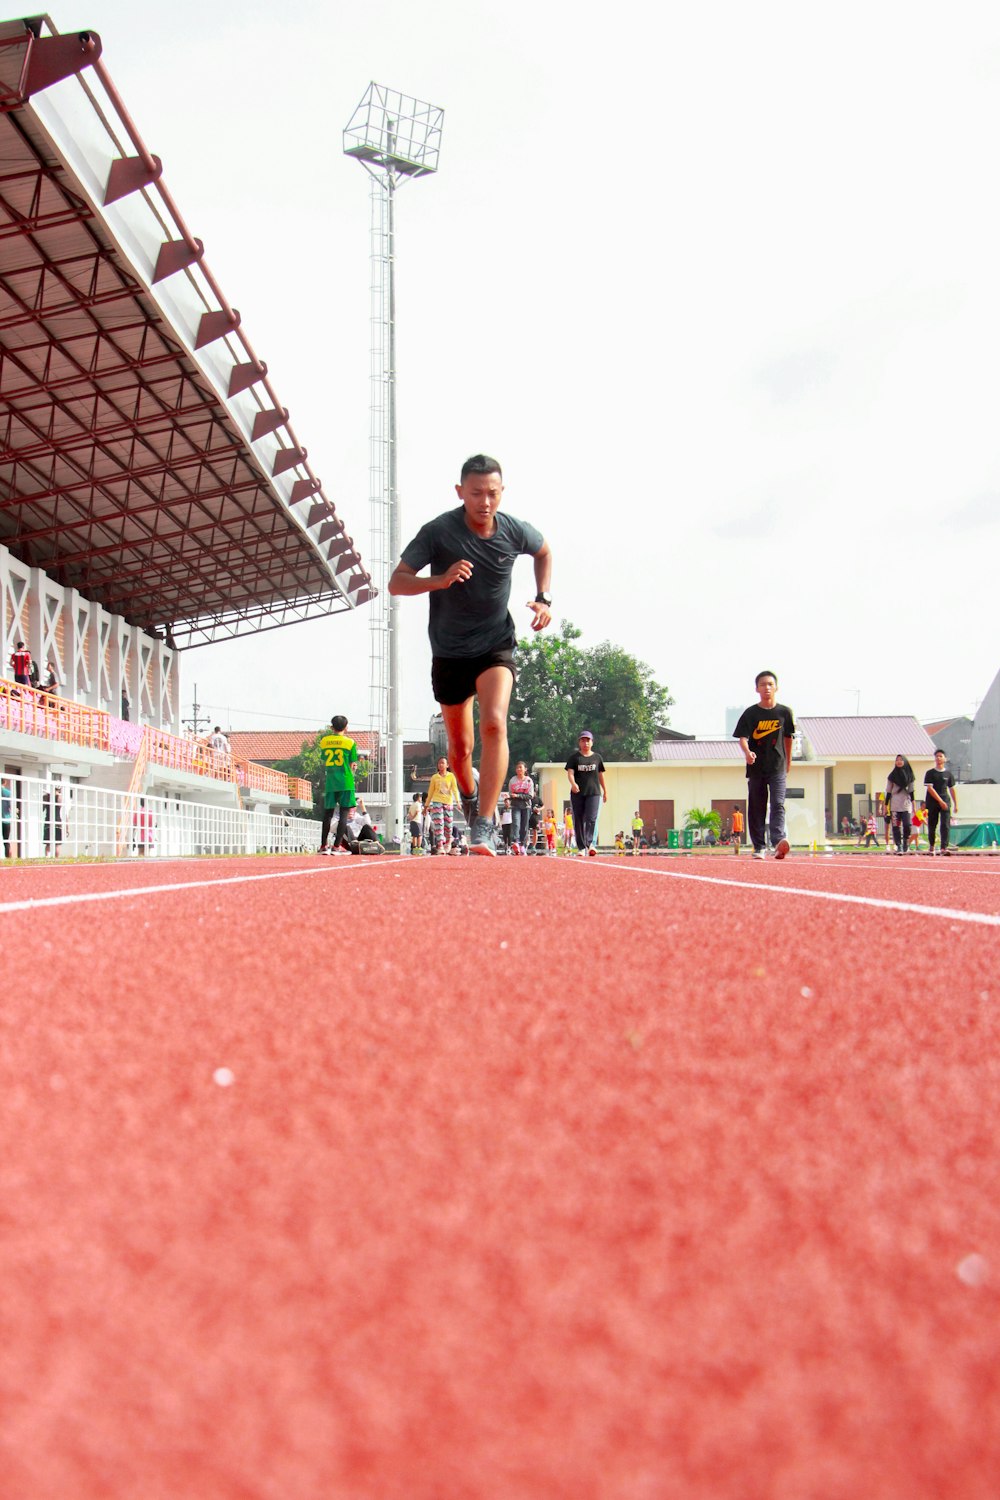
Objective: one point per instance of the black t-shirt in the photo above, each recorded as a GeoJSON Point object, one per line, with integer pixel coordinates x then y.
{"type": "Point", "coordinates": [940, 781]}
{"type": "Point", "coordinates": [471, 618]}
{"type": "Point", "coordinates": [586, 772]}
{"type": "Point", "coordinates": [765, 730]}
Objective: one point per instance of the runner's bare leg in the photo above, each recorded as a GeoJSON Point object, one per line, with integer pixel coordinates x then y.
{"type": "Point", "coordinates": [460, 730]}
{"type": "Point", "coordinates": [493, 689]}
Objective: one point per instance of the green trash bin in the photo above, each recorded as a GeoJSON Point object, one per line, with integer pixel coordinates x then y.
{"type": "Point", "coordinates": [672, 840]}
{"type": "Point", "coordinates": [689, 838]}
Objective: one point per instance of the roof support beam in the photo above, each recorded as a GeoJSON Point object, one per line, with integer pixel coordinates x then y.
{"type": "Point", "coordinates": [130, 173]}
{"type": "Point", "coordinates": [174, 256]}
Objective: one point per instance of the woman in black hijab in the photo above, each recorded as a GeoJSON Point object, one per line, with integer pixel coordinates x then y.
{"type": "Point", "coordinates": [899, 795]}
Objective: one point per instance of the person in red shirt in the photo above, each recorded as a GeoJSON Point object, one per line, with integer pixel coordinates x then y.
{"type": "Point", "coordinates": [20, 660]}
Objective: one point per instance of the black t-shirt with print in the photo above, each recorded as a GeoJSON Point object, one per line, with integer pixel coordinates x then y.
{"type": "Point", "coordinates": [940, 781]}
{"type": "Point", "coordinates": [765, 730]}
{"type": "Point", "coordinates": [586, 772]}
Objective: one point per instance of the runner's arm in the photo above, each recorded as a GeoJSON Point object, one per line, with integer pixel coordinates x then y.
{"type": "Point", "coordinates": [404, 580]}
{"type": "Point", "coordinates": [543, 578]}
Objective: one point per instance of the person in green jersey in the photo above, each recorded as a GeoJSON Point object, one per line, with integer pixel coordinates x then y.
{"type": "Point", "coordinates": [339, 756]}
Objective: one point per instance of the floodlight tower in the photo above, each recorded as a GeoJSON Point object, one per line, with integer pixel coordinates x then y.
{"type": "Point", "coordinates": [394, 137]}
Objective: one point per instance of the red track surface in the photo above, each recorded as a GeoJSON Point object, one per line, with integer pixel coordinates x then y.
{"type": "Point", "coordinates": [534, 1179]}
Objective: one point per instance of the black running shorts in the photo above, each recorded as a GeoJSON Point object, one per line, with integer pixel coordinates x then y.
{"type": "Point", "coordinates": [453, 678]}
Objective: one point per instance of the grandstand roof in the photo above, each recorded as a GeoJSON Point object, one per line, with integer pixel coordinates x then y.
{"type": "Point", "coordinates": [146, 459]}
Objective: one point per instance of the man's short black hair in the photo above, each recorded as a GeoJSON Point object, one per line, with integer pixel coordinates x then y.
{"type": "Point", "coordinates": [480, 463]}
{"type": "Point", "coordinates": [766, 673]}
{"type": "Point", "coordinates": [338, 723]}
{"type": "Point", "coordinates": [939, 751]}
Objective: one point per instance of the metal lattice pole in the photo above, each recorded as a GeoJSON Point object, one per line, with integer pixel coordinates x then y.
{"type": "Point", "coordinates": [394, 137]}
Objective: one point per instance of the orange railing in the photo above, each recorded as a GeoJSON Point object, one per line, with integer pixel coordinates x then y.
{"type": "Point", "coordinates": [28, 711]}
{"type": "Point", "coordinates": [25, 710]}
{"type": "Point", "coordinates": [261, 778]}
{"type": "Point", "coordinates": [179, 754]}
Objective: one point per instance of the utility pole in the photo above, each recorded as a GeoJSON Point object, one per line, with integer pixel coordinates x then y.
{"type": "Point", "coordinates": [195, 722]}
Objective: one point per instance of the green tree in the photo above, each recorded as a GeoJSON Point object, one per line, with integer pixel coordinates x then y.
{"type": "Point", "coordinates": [563, 688]}
{"type": "Point", "coordinates": [543, 712]}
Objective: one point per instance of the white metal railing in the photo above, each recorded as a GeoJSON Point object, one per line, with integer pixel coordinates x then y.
{"type": "Point", "coordinates": [73, 819]}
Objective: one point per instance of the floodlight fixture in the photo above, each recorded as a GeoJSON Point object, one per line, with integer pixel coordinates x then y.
{"type": "Point", "coordinates": [395, 132]}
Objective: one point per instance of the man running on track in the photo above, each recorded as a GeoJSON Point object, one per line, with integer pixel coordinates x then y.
{"type": "Point", "coordinates": [765, 733]}
{"type": "Point", "coordinates": [471, 553]}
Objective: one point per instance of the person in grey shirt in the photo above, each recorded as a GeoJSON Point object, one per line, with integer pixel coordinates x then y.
{"type": "Point", "coordinates": [471, 552]}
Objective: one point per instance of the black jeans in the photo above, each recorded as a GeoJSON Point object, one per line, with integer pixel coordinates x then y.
{"type": "Point", "coordinates": [520, 824]}
{"type": "Point", "coordinates": [758, 788]}
{"type": "Point", "coordinates": [935, 815]}
{"type": "Point", "coordinates": [901, 830]}
{"type": "Point", "coordinates": [585, 814]}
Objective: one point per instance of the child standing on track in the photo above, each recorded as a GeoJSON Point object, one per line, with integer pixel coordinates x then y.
{"type": "Point", "coordinates": [919, 819]}
{"type": "Point", "coordinates": [549, 825]}
{"type": "Point", "coordinates": [442, 796]}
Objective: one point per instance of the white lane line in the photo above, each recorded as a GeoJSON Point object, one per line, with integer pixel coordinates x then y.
{"type": "Point", "coordinates": [979, 918]}
{"type": "Point", "coordinates": [159, 890]}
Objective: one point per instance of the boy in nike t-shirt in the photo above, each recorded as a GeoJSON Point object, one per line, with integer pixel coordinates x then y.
{"type": "Point", "coordinates": [765, 733]}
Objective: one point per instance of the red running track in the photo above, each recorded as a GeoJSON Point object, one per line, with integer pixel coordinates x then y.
{"type": "Point", "coordinates": [526, 1179]}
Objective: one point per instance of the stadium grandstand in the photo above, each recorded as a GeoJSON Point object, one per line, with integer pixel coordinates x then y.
{"type": "Point", "coordinates": [153, 493]}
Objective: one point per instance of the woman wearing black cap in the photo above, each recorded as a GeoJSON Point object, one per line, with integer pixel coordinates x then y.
{"type": "Point", "coordinates": [899, 796]}
{"type": "Point", "coordinates": [587, 789]}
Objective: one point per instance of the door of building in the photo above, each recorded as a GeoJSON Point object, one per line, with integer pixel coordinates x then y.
{"type": "Point", "coordinates": [724, 807]}
{"type": "Point", "coordinates": [658, 814]}
{"type": "Point", "coordinates": [845, 809]}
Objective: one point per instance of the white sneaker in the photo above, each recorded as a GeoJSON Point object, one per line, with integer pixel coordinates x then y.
{"type": "Point", "coordinates": [759, 854]}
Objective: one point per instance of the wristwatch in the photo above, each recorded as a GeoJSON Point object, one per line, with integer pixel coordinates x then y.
{"type": "Point", "coordinates": [543, 598]}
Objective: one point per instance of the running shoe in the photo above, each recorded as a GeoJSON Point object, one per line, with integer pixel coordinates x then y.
{"type": "Point", "coordinates": [324, 850]}
{"type": "Point", "coordinates": [483, 836]}
{"type": "Point", "coordinates": [782, 848]}
{"type": "Point", "coordinates": [592, 851]}
{"type": "Point", "coordinates": [759, 854]}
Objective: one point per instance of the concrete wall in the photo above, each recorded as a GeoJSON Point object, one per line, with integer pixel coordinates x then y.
{"type": "Point", "coordinates": [978, 804]}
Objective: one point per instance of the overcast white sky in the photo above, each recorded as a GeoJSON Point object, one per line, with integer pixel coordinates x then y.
{"type": "Point", "coordinates": [718, 284]}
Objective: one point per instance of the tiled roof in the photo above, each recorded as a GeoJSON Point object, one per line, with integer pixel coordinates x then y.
{"type": "Point", "coordinates": [266, 745]}
{"type": "Point", "coordinates": [863, 734]}
{"type": "Point", "coordinates": [694, 750]}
